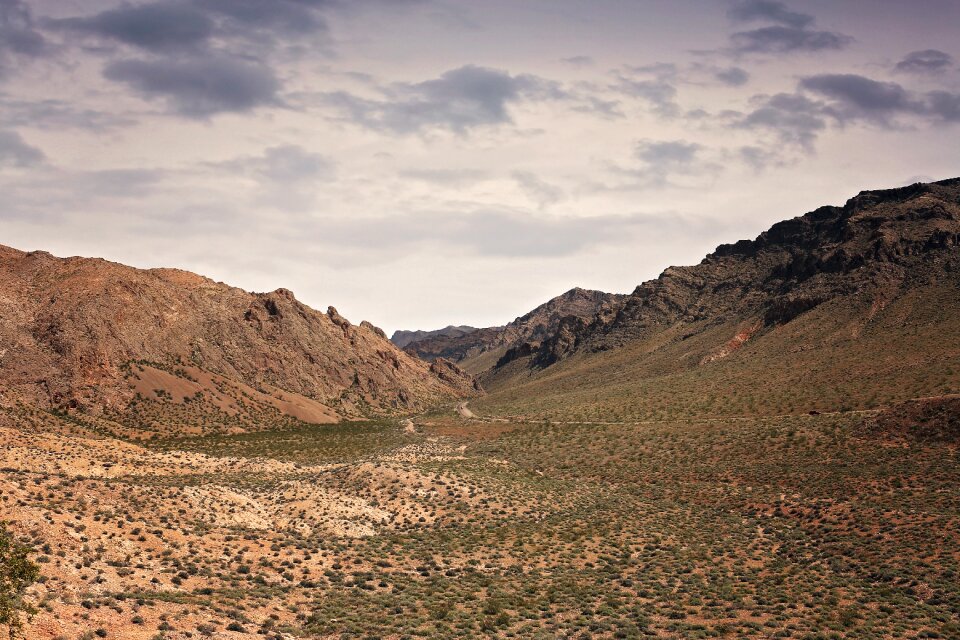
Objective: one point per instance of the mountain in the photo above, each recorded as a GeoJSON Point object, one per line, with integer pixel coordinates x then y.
{"type": "Point", "coordinates": [845, 306]}
{"type": "Point", "coordinates": [478, 350]}
{"type": "Point", "coordinates": [164, 349]}
{"type": "Point", "coordinates": [403, 338]}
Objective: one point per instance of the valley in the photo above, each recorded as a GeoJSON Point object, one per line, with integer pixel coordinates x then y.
{"type": "Point", "coordinates": [764, 445]}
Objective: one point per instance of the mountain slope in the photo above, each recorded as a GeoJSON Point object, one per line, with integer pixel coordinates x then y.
{"type": "Point", "coordinates": [479, 350]}
{"type": "Point", "coordinates": [84, 333]}
{"type": "Point", "coordinates": [842, 307]}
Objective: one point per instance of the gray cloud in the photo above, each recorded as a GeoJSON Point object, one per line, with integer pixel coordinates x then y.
{"type": "Point", "coordinates": [18, 35]}
{"type": "Point", "coordinates": [794, 118]}
{"type": "Point", "coordinates": [177, 26]}
{"type": "Point", "coordinates": [926, 61]}
{"type": "Point", "coordinates": [597, 106]}
{"type": "Point", "coordinates": [459, 100]}
{"type": "Point", "coordinates": [859, 97]}
{"type": "Point", "coordinates": [663, 163]}
{"type": "Point", "coordinates": [668, 154]}
{"type": "Point", "coordinates": [157, 26]}
{"type": "Point", "coordinates": [782, 39]}
{"type": "Point", "coordinates": [844, 99]}
{"type": "Point", "coordinates": [790, 32]}
{"type": "Point", "coordinates": [579, 61]}
{"type": "Point", "coordinates": [732, 76]}
{"type": "Point", "coordinates": [944, 105]}
{"type": "Point", "coordinates": [282, 17]}
{"type": "Point", "coordinates": [15, 152]}
{"type": "Point", "coordinates": [768, 11]}
{"type": "Point", "coordinates": [658, 92]}
{"type": "Point", "coordinates": [199, 88]}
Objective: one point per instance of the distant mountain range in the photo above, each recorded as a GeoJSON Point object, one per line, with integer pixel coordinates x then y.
{"type": "Point", "coordinates": [478, 350]}
{"type": "Point", "coordinates": [403, 338]}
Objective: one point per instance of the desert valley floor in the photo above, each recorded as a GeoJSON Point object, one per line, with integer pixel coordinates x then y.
{"type": "Point", "coordinates": [832, 525]}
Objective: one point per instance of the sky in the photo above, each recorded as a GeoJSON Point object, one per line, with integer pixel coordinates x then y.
{"type": "Point", "coordinates": [419, 163]}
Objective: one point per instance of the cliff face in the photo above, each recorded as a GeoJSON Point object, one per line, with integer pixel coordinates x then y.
{"type": "Point", "coordinates": [70, 328]}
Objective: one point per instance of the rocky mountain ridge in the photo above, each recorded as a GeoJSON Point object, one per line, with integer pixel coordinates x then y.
{"type": "Point", "coordinates": [71, 327]}
{"type": "Point", "coordinates": [870, 243]}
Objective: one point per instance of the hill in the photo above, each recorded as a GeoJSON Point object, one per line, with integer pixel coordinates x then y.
{"type": "Point", "coordinates": [845, 307]}
{"type": "Point", "coordinates": [164, 348]}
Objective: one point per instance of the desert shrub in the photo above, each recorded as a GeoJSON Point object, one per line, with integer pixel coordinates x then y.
{"type": "Point", "coordinates": [17, 573]}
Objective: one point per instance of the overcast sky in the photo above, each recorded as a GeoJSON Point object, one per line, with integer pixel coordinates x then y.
{"type": "Point", "coordinates": [418, 163]}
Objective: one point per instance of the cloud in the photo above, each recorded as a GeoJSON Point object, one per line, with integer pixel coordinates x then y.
{"type": "Point", "coordinates": [768, 11]}
{"type": "Point", "coordinates": [578, 61]}
{"type": "Point", "coordinates": [781, 39]}
{"type": "Point", "coordinates": [794, 118]}
{"type": "Point", "coordinates": [655, 84]}
{"type": "Point", "coordinates": [732, 76]}
{"type": "Point", "coordinates": [284, 17]}
{"type": "Point", "coordinates": [179, 26]}
{"type": "Point", "coordinates": [459, 100]}
{"type": "Point", "coordinates": [844, 99]}
{"type": "Point", "coordinates": [18, 35]}
{"type": "Point", "coordinates": [668, 154]}
{"type": "Point", "coordinates": [789, 32]}
{"type": "Point", "coordinates": [859, 97]}
{"type": "Point", "coordinates": [664, 163]}
{"type": "Point", "coordinates": [199, 88]}
{"type": "Point", "coordinates": [926, 61]}
{"type": "Point", "coordinates": [156, 27]}
{"type": "Point", "coordinates": [944, 105]}
{"type": "Point", "coordinates": [17, 153]}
